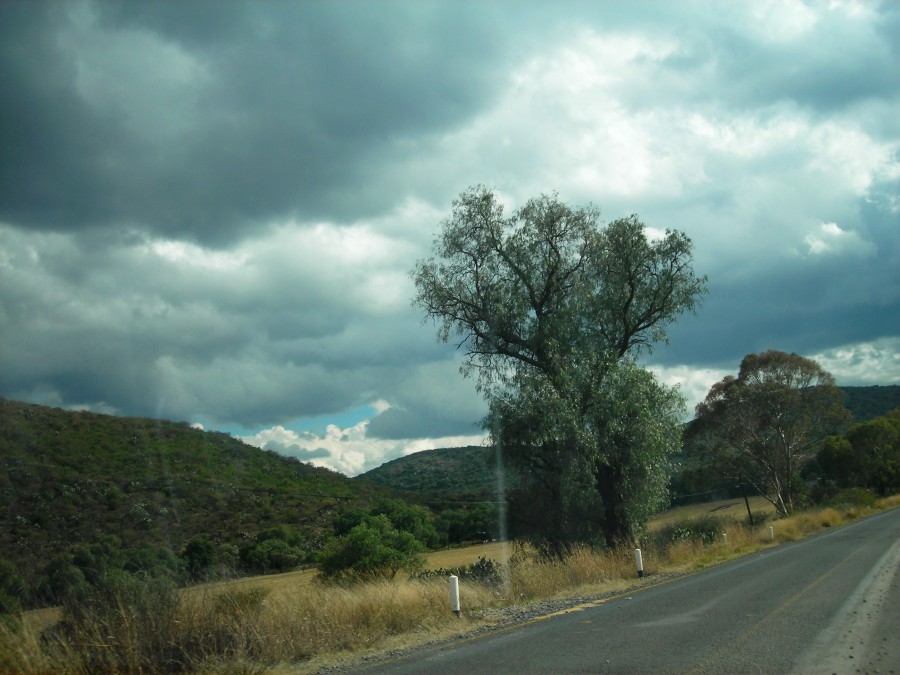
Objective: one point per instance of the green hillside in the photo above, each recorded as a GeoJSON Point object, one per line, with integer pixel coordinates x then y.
{"type": "Point", "coordinates": [68, 477]}
{"type": "Point", "coordinates": [866, 403]}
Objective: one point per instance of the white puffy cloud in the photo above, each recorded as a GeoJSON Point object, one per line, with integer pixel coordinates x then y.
{"type": "Point", "coordinates": [693, 383]}
{"type": "Point", "coordinates": [865, 363]}
{"type": "Point", "coordinates": [830, 239]}
{"type": "Point", "coordinates": [349, 450]}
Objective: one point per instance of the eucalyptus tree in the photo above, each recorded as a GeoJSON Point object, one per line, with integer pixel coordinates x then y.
{"type": "Point", "coordinates": [765, 424]}
{"type": "Point", "coordinates": [552, 307]}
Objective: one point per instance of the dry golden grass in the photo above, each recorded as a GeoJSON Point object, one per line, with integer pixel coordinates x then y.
{"type": "Point", "coordinates": [253, 630]}
{"type": "Point", "coordinates": [735, 508]}
{"type": "Point", "coordinates": [291, 627]}
{"type": "Point", "coordinates": [459, 557]}
{"type": "Point", "coordinates": [582, 571]}
{"type": "Point", "coordinates": [888, 502]}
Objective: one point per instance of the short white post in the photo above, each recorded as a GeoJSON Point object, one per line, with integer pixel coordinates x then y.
{"type": "Point", "coordinates": [639, 560]}
{"type": "Point", "coordinates": [454, 594]}
{"type": "Point", "coordinates": [771, 533]}
{"type": "Point", "coordinates": [725, 537]}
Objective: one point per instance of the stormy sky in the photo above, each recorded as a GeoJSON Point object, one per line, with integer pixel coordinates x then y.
{"type": "Point", "coordinates": [209, 211]}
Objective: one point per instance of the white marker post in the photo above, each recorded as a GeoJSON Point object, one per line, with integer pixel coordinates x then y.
{"type": "Point", "coordinates": [454, 594]}
{"type": "Point", "coordinates": [639, 560]}
{"type": "Point", "coordinates": [725, 537]}
{"type": "Point", "coordinates": [771, 533]}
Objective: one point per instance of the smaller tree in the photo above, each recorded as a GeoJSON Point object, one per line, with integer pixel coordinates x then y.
{"type": "Point", "coordinates": [199, 557]}
{"type": "Point", "coordinates": [412, 518]}
{"type": "Point", "coordinates": [868, 456]}
{"type": "Point", "coordinates": [372, 549]}
{"type": "Point", "coordinates": [764, 425]}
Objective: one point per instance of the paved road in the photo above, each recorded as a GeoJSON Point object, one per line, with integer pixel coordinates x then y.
{"type": "Point", "coordinates": [828, 604]}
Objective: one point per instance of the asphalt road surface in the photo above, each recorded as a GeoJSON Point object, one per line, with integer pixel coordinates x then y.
{"type": "Point", "coordinates": [827, 604]}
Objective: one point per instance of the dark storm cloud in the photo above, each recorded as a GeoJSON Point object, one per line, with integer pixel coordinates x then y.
{"type": "Point", "coordinates": [396, 423]}
{"type": "Point", "coordinates": [241, 338]}
{"type": "Point", "coordinates": [806, 305]}
{"type": "Point", "coordinates": [208, 210]}
{"type": "Point", "coordinates": [208, 128]}
{"type": "Point", "coordinates": [433, 400]}
{"type": "Point", "coordinates": [812, 73]}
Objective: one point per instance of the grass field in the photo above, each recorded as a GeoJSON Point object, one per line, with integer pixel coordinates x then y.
{"type": "Point", "coordinates": [732, 508]}
{"type": "Point", "coordinates": [287, 623]}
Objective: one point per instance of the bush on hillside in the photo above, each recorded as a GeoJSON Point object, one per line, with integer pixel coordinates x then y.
{"type": "Point", "coordinates": [199, 558]}
{"type": "Point", "coordinates": [412, 518]}
{"type": "Point", "coordinates": [275, 549]}
{"type": "Point", "coordinates": [88, 566]}
{"type": "Point", "coordinates": [372, 549]}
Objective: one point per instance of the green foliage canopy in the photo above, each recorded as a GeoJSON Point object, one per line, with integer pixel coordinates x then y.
{"type": "Point", "coordinates": [373, 548]}
{"type": "Point", "coordinates": [549, 304]}
{"type": "Point", "coordinates": [868, 456]}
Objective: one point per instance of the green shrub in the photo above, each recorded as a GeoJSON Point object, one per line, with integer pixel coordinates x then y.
{"type": "Point", "coordinates": [273, 555]}
{"type": "Point", "coordinates": [57, 578]}
{"type": "Point", "coordinates": [199, 557]}
{"type": "Point", "coordinates": [853, 497]}
{"type": "Point", "coordinates": [372, 549]}
{"type": "Point", "coordinates": [152, 561]}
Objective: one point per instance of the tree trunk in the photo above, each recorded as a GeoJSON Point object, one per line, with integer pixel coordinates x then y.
{"type": "Point", "coordinates": [616, 526]}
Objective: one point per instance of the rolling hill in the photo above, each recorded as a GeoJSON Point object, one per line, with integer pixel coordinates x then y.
{"type": "Point", "coordinates": [67, 477]}
{"type": "Point", "coordinates": [458, 470]}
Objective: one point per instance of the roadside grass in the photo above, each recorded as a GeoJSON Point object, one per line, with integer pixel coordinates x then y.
{"type": "Point", "coordinates": [581, 572]}
{"type": "Point", "coordinates": [293, 624]}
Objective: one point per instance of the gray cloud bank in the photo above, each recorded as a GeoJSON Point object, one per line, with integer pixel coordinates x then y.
{"type": "Point", "coordinates": [208, 211]}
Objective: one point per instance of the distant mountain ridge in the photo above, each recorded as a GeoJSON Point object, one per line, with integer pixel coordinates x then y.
{"type": "Point", "coordinates": [866, 403]}
{"type": "Point", "coordinates": [441, 473]}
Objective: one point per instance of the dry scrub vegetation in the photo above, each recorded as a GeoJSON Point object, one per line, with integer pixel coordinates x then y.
{"type": "Point", "coordinates": [303, 627]}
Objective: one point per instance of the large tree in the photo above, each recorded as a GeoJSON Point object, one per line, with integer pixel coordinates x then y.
{"type": "Point", "coordinates": [551, 306]}
{"type": "Point", "coordinates": [769, 421]}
